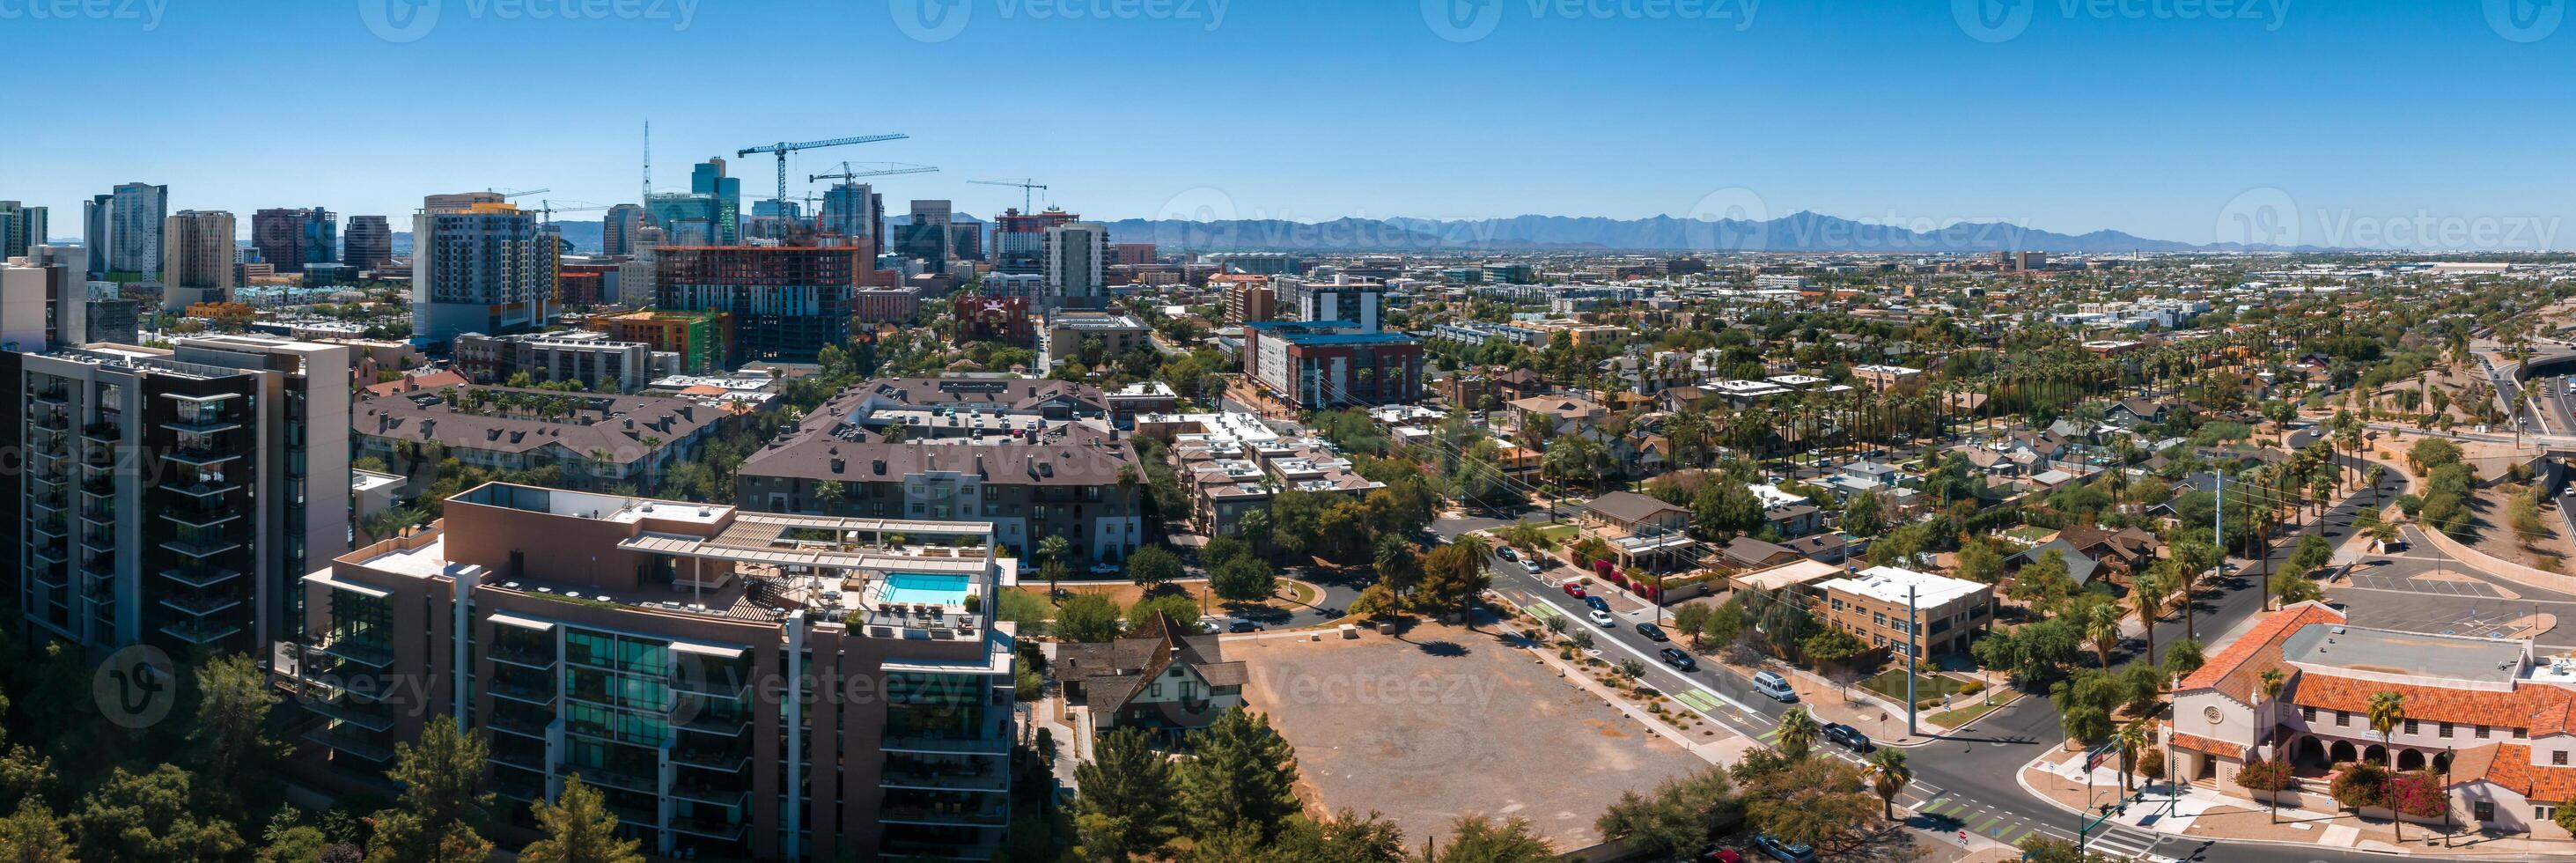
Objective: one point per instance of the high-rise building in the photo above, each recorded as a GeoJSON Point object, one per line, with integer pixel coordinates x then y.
{"type": "Point", "coordinates": [966, 240]}
{"type": "Point", "coordinates": [123, 230]}
{"type": "Point", "coordinates": [643, 645]}
{"type": "Point", "coordinates": [1077, 262]}
{"type": "Point", "coordinates": [20, 226]}
{"type": "Point", "coordinates": [489, 269]}
{"type": "Point", "coordinates": [686, 218]}
{"type": "Point", "coordinates": [1019, 239]}
{"type": "Point", "coordinates": [176, 497]}
{"type": "Point", "coordinates": [41, 297]}
{"type": "Point", "coordinates": [855, 210]}
{"type": "Point", "coordinates": [461, 201]}
{"type": "Point", "coordinates": [617, 229]}
{"type": "Point", "coordinates": [291, 238]}
{"type": "Point", "coordinates": [927, 235]}
{"type": "Point", "coordinates": [197, 258]}
{"type": "Point", "coordinates": [370, 243]}
{"type": "Point", "coordinates": [786, 302]}
{"type": "Point", "coordinates": [708, 178]}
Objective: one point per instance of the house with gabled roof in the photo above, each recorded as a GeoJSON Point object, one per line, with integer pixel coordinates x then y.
{"type": "Point", "coordinates": [1169, 679]}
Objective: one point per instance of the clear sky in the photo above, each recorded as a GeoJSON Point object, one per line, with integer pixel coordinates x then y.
{"type": "Point", "coordinates": [2066, 115]}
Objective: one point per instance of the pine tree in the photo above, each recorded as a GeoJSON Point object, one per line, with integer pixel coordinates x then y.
{"type": "Point", "coordinates": [579, 829]}
{"type": "Point", "coordinates": [1243, 776]}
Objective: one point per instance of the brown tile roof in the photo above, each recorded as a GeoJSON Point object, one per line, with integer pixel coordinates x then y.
{"type": "Point", "coordinates": [2509, 765]}
{"type": "Point", "coordinates": [2219, 748]}
{"type": "Point", "coordinates": [2234, 671]}
{"type": "Point", "coordinates": [2541, 708]}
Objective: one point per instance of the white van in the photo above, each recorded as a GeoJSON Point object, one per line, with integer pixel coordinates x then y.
{"type": "Point", "coordinates": [1777, 687]}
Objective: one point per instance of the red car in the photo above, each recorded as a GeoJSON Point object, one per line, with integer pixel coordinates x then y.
{"type": "Point", "coordinates": [1720, 855]}
{"type": "Point", "coordinates": [1574, 589]}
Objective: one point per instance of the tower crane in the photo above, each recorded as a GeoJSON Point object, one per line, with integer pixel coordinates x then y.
{"type": "Point", "coordinates": [547, 209]}
{"type": "Point", "coordinates": [1027, 187]}
{"type": "Point", "coordinates": [507, 194]}
{"type": "Point", "coordinates": [850, 171]}
{"type": "Point", "coordinates": [783, 148]}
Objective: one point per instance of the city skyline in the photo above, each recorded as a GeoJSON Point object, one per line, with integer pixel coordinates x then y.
{"type": "Point", "coordinates": [2069, 118]}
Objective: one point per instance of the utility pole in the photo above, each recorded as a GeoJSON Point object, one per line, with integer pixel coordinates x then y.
{"type": "Point", "coordinates": [1913, 658]}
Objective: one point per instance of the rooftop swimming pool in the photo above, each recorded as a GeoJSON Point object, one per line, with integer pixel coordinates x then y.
{"type": "Point", "coordinates": [921, 587]}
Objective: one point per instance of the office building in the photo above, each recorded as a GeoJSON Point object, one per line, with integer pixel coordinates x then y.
{"type": "Point", "coordinates": [785, 302]}
{"type": "Point", "coordinates": [617, 229]}
{"type": "Point", "coordinates": [173, 497]}
{"type": "Point", "coordinates": [1247, 298]}
{"type": "Point", "coordinates": [1132, 254]}
{"type": "Point", "coordinates": [656, 649]}
{"type": "Point", "coordinates": [1091, 337]}
{"type": "Point", "coordinates": [687, 218]}
{"type": "Point", "coordinates": [41, 297]}
{"type": "Point", "coordinates": [854, 210]}
{"type": "Point", "coordinates": [461, 202]}
{"type": "Point", "coordinates": [1256, 263]}
{"type": "Point", "coordinates": [724, 198]}
{"type": "Point", "coordinates": [597, 362]}
{"type": "Point", "coordinates": [1035, 458]}
{"type": "Point", "coordinates": [928, 236]}
{"type": "Point", "coordinates": [1077, 262]}
{"type": "Point", "coordinates": [1029, 286]}
{"type": "Point", "coordinates": [123, 231]}
{"type": "Point", "coordinates": [488, 269]}
{"type": "Point", "coordinates": [1872, 606]}
{"type": "Point", "coordinates": [702, 341]}
{"type": "Point", "coordinates": [290, 239]}
{"type": "Point", "coordinates": [114, 321]}
{"type": "Point", "coordinates": [885, 305]}
{"type": "Point", "coordinates": [1343, 300]}
{"type": "Point", "coordinates": [1019, 239]}
{"type": "Point", "coordinates": [1312, 366]}
{"type": "Point", "coordinates": [197, 259]}
{"type": "Point", "coordinates": [369, 243]}
{"type": "Point", "coordinates": [20, 226]}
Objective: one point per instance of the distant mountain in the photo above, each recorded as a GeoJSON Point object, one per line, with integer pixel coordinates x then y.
{"type": "Point", "coordinates": [586, 237]}
{"type": "Point", "coordinates": [1799, 232]}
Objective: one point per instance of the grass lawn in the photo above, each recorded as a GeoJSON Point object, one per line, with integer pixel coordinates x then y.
{"type": "Point", "coordinates": [1125, 595]}
{"type": "Point", "coordinates": [1965, 715]}
{"type": "Point", "coordinates": [1559, 532]}
{"type": "Point", "coordinates": [1892, 685]}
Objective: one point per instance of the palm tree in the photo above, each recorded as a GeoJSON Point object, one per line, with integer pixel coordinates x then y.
{"type": "Point", "coordinates": [831, 492]}
{"type": "Point", "coordinates": [1797, 732]}
{"type": "Point", "coordinates": [2387, 712]}
{"type": "Point", "coordinates": [1888, 776]}
{"type": "Point", "coordinates": [2132, 739]}
{"type": "Point", "coordinates": [2267, 688]}
{"type": "Point", "coordinates": [2147, 598]}
{"type": "Point", "coordinates": [2102, 627]}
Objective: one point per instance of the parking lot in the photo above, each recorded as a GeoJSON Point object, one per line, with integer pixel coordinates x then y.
{"type": "Point", "coordinates": [2428, 594]}
{"type": "Point", "coordinates": [1445, 722]}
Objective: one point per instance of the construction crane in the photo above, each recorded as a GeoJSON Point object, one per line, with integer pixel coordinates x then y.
{"type": "Point", "coordinates": [851, 171]}
{"type": "Point", "coordinates": [547, 209]}
{"type": "Point", "coordinates": [1027, 187]}
{"type": "Point", "coordinates": [783, 148]}
{"type": "Point", "coordinates": [507, 194]}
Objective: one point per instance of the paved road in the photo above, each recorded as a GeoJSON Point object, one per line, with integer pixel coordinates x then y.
{"type": "Point", "coordinates": [1968, 782]}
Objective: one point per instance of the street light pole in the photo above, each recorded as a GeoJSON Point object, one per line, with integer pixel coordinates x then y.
{"type": "Point", "coordinates": [1913, 658]}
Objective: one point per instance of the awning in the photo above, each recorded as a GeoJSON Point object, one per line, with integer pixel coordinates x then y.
{"type": "Point", "coordinates": [717, 651]}
{"type": "Point", "coordinates": [522, 622]}
{"type": "Point", "coordinates": [325, 579]}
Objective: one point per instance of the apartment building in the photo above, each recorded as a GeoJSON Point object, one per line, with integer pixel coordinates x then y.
{"type": "Point", "coordinates": [1234, 464]}
{"type": "Point", "coordinates": [736, 687]}
{"type": "Point", "coordinates": [702, 340]}
{"type": "Point", "coordinates": [1071, 335]}
{"type": "Point", "coordinates": [1874, 603]}
{"type": "Point", "coordinates": [172, 497]}
{"type": "Point", "coordinates": [1323, 366]}
{"type": "Point", "coordinates": [785, 302]}
{"type": "Point", "coordinates": [601, 363]}
{"type": "Point", "coordinates": [1033, 458]}
{"type": "Point", "coordinates": [196, 259]}
{"type": "Point", "coordinates": [489, 269]}
{"type": "Point", "coordinates": [597, 441]}
{"type": "Point", "coordinates": [43, 295]}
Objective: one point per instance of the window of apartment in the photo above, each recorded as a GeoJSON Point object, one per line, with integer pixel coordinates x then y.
{"type": "Point", "coordinates": [2558, 758]}
{"type": "Point", "coordinates": [2410, 726]}
{"type": "Point", "coordinates": [1880, 619]}
{"type": "Point", "coordinates": [2444, 732]}
{"type": "Point", "coordinates": [1838, 605]}
{"type": "Point", "coordinates": [2308, 714]}
{"type": "Point", "coordinates": [2544, 812]}
{"type": "Point", "coordinates": [2521, 732]}
{"type": "Point", "coordinates": [2482, 810]}
{"type": "Point", "coordinates": [2342, 719]}
{"type": "Point", "coordinates": [2482, 732]}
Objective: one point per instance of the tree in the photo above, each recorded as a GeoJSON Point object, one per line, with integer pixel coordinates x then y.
{"type": "Point", "coordinates": [1244, 579]}
{"type": "Point", "coordinates": [1153, 566]}
{"type": "Point", "coordinates": [1677, 818]}
{"type": "Point", "coordinates": [2147, 599]}
{"type": "Point", "coordinates": [1888, 776]}
{"type": "Point", "coordinates": [1832, 646]}
{"type": "Point", "coordinates": [1477, 839]}
{"type": "Point", "coordinates": [1086, 617]}
{"type": "Point", "coordinates": [2042, 582]}
{"type": "Point", "coordinates": [1244, 775]}
{"type": "Point", "coordinates": [2041, 848]}
{"type": "Point", "coordinates": [1376, 601]}
{"type": "Point", "coordinates": [1797, 732]}
{"type": "Point", "coordinates": [1862, 515]}
{"type": "Point", "coordinates": [2182, 658]}
{"type": "Point", "coordinates": [2311, 553]}
{"type": "Point", "coordinates": [578, 828]}
{"type": "Point", "coordinates": [2102, 627]}
{"type": "Point", "coordinates": [831, 492]}
{"type": "Point", "coordinates": [1454, 574]}
{"type": "Point", "coordinates": [1144, 619]}
{"type": "Point", "coordinates": [1220, 549]}
{"type": "Point", "coordinates": [2290, 588]}
{"type": "Point", "coordinates": [1398, 566]}
{"type": "Point", "coordinates": [34, 834]}
{"type": "Point", "coordinates": [442, 800]}
{"type": "Point", "coordinates": [2565, 818]}
{"type": "Point", "coordinates": [1821, 802]}
{"type": "Point", "coordinates": [1979, 562]}
{"type": "Point", "coordinates": [230, 736]}
{"type": "Point", "coordinates": [2363, 784]}
{"type": "Point", "coordinates": [2085, 724]}
{"type": "Point", "coordinates": [2132, 739]}
{"type": "Point", "coordinates": [1126, 804]}
{"type": "Point", "coordinates": [2387, 711]}
{"type": "Point", "coordinates": [1692, 620]}
{"type": "Point", "coordinates": [147, 816]}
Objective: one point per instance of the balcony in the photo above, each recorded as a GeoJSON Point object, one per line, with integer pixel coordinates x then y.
{"type": "Point", "coordinates": [352, 744]}
{"type": "Point", "coordinates": [201, 425]}
{"type": "Point", "coordinates": [712, 828]}
{"type": "Point", "coordinates": [360, 651]}
{"type": "Point", "coordinates": [200, 631]}
{"type": "Point", "coordinates": [57, 552]}
{"type": "Point", "coordinates": [205, 486]}
{"type": "Point", "coordinates": [722, 759]}
{"type": "Point", "coordinates": [717, 724]}
{"type": "Point", "coordinates": [202, 547]}
{"type": "Point", "coordinates": [199, 516]}
{"type": "Point", "coordinates": [524, 656]}
{"type": "Point", "coordinates": [99, 485]}
{"type": "Point", "coordinates": [99, 513]}
{"type": "Point", "coordinates": [200, 576]}
{"type": "Point", "coordinates": [371, 718]}
{"type": "Point", "coordinates": [732, 795]}
{"type": "Point", "coordinates": [200, 604]}
{"type": "Point", "coordinates": [611, 777]}
{"type": "Point", "coordinates": [513, 690]}
{"type": "Point", "coordinates": [54, 527]}
{"type": "Point", "coordinates": [996, 813]}
{"type": "Point", "coordinates": [987, 847]}
{"type": "Point", "coordinates": [957, 776]}
{"type": "Point", "coordinates": [100, 541]}
{"type": "Point", "coordinates": [57, 394]}
{"type": "Point", "coordinates": [202, 456]}
{"type": "Point", "coordinates": [535, 761]}
{"type": "Point", "coordinates": [103, 432]}
{"type": "Point", "coordinates": [947, 744]}
{"type": "Point", "coordinates": [102, 563]}
{"type": "Point", "coordinates": [514, 722]}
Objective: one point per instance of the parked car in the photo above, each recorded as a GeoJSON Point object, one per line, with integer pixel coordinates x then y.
{"type": "Point", "coordinates": [1596, 603]}
{"type": "Point", "coordinates": [1848, 737]}
{"type": "Point", "coordinates": [1507, 553]}
{"type": "Point", "coordinates": [1785, 852]}
{"type": "Point", "coordinates": [1715, 854]}
{"type": "Point", "coordinates": [1574, 589]}
{"type": "Point", "coordinates": [1603, 618]}
{"type": "Point", "coordinates": [1678, 658]}
{"type": "Point", "coordinates": [1533, 565]}
{"type": "Point", "coordinates": [1771, 684]}
{"type": "Point", "coordinates": [1244, 626]}
{"type": "Point", "coordinates": [1652, 631]}
{"type": "Point", "coordinates": [1105, 569]}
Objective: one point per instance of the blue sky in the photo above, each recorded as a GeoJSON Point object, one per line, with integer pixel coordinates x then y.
{"type": "Point", "coordinates": [2074, 116]}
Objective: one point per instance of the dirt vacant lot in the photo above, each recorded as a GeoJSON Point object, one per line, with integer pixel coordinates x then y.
{"type": "Point", "coordinates": [1444, 723]}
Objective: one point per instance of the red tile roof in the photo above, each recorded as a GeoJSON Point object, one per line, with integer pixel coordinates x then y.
{"type": "Point", "coordinates": [2219, 748]}
{"type": "Point", "coordinates": [2542, 708]}
{"type": "Point", "coordinates": [2234, 671]}
{"type": "Point", "coordinates": [2509, 765]}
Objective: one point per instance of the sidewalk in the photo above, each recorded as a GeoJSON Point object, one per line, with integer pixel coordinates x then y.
{"type": "Point", "coordinates": [2205, 813]}
{"type": "Point", "coordinates": [1882, 720]}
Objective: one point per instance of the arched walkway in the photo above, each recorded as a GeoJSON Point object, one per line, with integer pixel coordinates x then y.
{"type": "Point", "coordinates": [2342, 752]}
{"type": "Point", "coordinates": [2408, 759]}
{"type": "Point", "coordinates": [2309, 753]}
{"type": "Point", "coordinates": [2376, 753]}
{"type": "Point", "coordinates": [2442, 764]}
